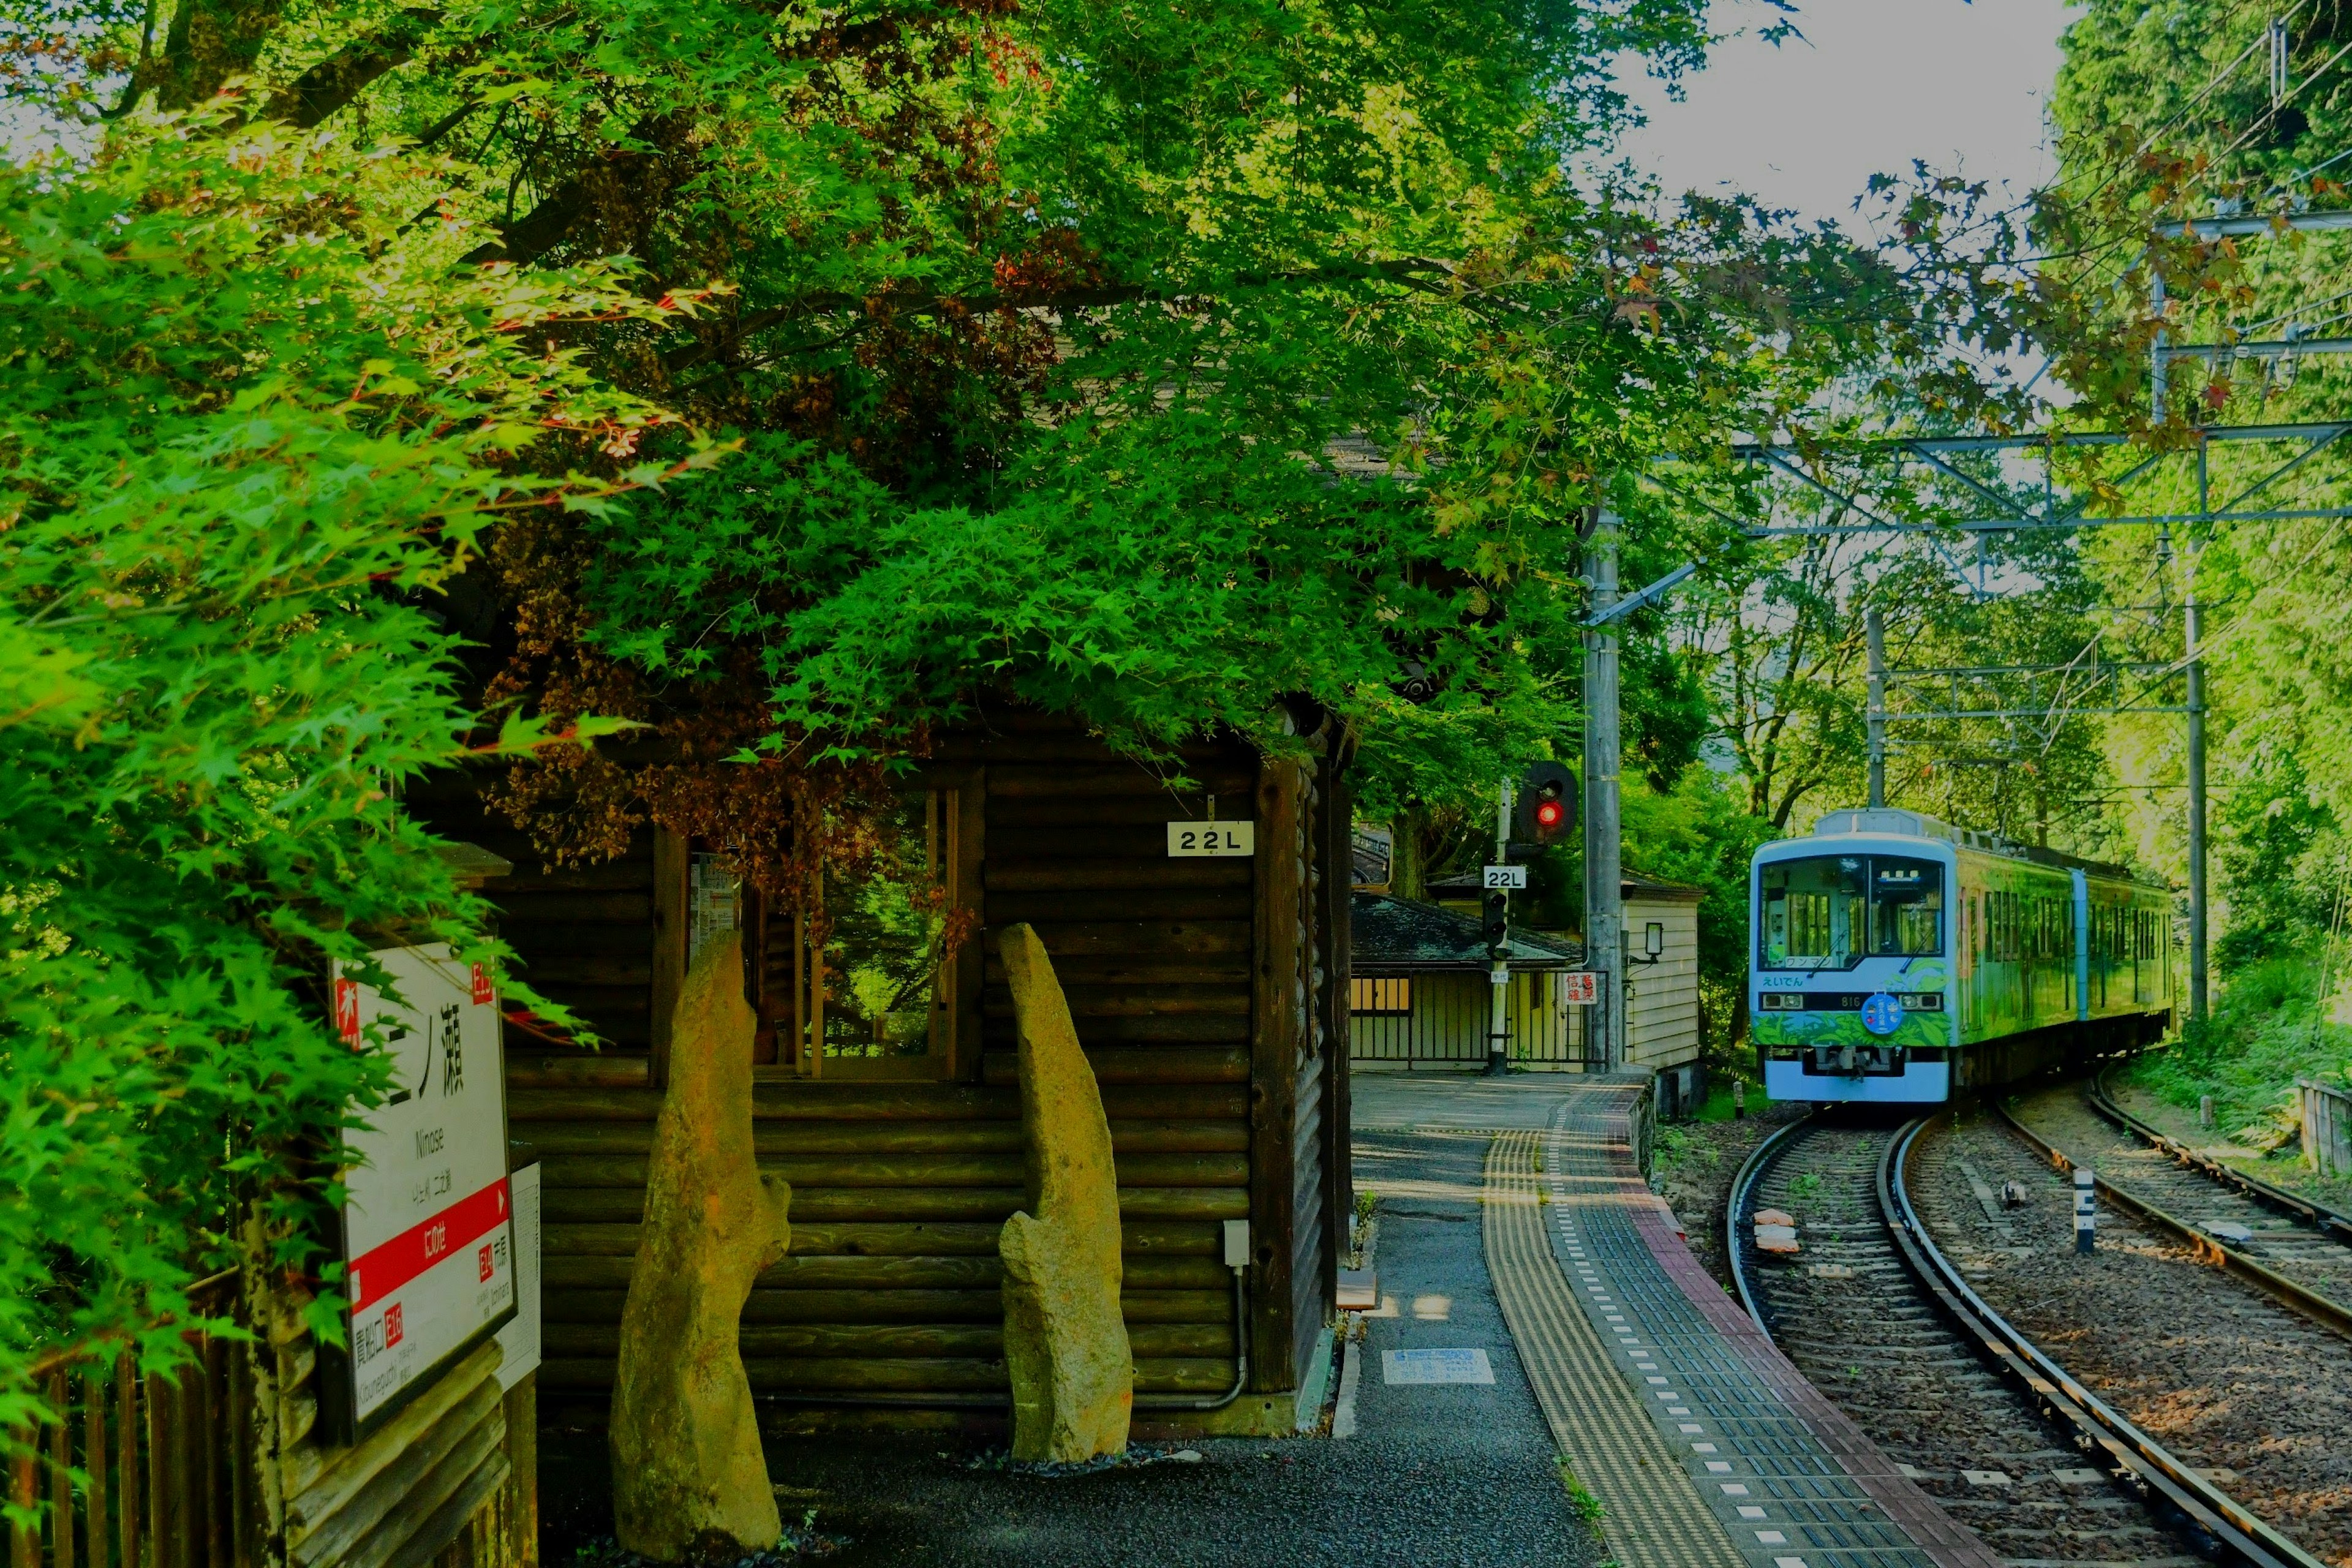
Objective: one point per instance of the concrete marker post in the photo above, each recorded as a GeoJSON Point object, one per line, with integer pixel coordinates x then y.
{"type": "Point", "coordinates": [2086, 1213]}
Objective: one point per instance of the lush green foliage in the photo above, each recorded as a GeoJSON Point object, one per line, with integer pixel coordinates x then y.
{"type": "Point", "coordinates": [252, 420]}
{"type": "Point", "coordinates": [2269, 1028]}
{"type": "Point", "coordinates": [2165, 113]}
{"type": "Point", "coordinates": [1241, 369]}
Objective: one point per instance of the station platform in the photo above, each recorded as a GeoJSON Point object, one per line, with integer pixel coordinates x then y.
{"type": "Point", "coordinates": [1706, 1447]}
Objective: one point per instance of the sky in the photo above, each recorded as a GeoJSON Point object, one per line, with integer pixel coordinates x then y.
{"type": "Point", "coordinates": [1872, 85]}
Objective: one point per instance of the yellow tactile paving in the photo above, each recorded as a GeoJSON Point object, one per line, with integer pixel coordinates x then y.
{"type": "Point", "coordinates": [1653, 1515]}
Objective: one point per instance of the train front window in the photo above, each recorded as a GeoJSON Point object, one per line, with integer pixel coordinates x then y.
{"type": "Point", "coordinates": [1829, 911]}
{"type": "Point", "coordinates": [1814, 909]}
{"type": "Point", "coordinates": [1907, 907]}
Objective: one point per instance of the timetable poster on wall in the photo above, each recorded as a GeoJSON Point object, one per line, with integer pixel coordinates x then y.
{"type": "Point", "coordinates": [428, 1233]}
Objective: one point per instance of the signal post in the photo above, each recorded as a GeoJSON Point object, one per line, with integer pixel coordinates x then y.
{"type": "Point", "coordinates": [1496, 902]}
{"type": "Point", "coordinates": [1546, 811]}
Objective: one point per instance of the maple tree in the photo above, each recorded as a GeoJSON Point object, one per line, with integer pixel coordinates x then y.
{"type": "Point", "coordinates": [786, 380]}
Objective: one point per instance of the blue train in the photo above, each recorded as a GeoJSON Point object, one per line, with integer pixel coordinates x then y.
{"type": "Point", "coordinates": [1902, 960]}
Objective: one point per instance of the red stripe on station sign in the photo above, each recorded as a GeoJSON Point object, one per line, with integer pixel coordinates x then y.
{"type": "Point", "coordinates": [385, 1269]}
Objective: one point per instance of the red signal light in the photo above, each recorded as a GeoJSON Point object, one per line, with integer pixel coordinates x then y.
{"type": "Point", "coordinates": [1549, 814]}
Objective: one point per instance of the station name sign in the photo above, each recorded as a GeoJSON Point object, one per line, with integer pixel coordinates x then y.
{"type": "Point", "coordinates": [428, 1231]}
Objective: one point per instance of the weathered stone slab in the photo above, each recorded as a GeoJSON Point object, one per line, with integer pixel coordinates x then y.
{"type": "Point", "coordinates": [689, 1476]}
{"type": "Point", "coordinates": [1065, 1341]}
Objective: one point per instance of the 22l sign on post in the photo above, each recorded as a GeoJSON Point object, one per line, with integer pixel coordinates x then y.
{"type": "Point", "coordinates": [428, 1233]}
{"type": "Point", "coordinates": [1233, 839]}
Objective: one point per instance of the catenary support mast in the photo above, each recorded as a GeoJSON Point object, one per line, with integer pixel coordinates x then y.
{"type": "Point", "coordinates": [2194, 640]}
{"type": "Point", "coordinates": [1874, 635]}
{"type": "Point", "coordinates": [1604, 913]}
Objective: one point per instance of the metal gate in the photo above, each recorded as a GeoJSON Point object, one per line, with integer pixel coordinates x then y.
{"type": "Point", "coordinates": [1441, 1017]}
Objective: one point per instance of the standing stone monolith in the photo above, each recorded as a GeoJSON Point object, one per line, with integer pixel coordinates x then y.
{"type": "Point", "coordinates": [1064, 1340]}
{"type": "Point", "coordinates": [689, 1476]}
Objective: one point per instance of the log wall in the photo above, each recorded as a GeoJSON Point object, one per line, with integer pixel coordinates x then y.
{"type": "Point", "coordinates": [1208, 993]}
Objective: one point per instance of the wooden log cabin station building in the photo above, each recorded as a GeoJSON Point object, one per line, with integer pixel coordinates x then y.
{"type": "Point", "coordinates": [1210, 994]}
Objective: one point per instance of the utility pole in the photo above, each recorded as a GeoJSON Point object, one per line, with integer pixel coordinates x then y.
{"type": "Point", "coordinates": [1498, 1016]}
{"type": "Point", "coordinates": [2193, 642]}
{"type": "Point", "coordinates": [1873, 631]}
{"type": "Point", "coordinates": [1605, 910]}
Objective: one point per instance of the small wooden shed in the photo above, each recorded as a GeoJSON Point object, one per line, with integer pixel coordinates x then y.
{"type": "Point", "coordinates": [1661, 1012]}
{"type": "Point", "coordinates": [1210, 992]}
{"type": "Point", "coordinates": [1422, 996]}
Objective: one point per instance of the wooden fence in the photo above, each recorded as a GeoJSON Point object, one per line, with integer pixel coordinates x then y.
{"type": "Point", "coordinates": [215, 1465]}
{"type": "Point", "coordinates": [141, 1470]}
{"type": "Point", "coordinates": [2326, 1127]}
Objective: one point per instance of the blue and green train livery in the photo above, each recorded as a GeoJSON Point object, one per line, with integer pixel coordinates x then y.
{"type": "Point", "coordinates": [1900, 959]}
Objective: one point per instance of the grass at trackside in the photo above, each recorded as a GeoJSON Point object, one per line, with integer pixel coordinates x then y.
{"type": "Point", "coordinates": [1718, 1106]}
{"type": "Point", "coordinates": [2266, 1030]}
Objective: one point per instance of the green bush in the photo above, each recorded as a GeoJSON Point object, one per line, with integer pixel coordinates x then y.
{"type": "Point", "coordinates": [2267, 1030]}
{"type": "Point", "coordinates": [255, 415]}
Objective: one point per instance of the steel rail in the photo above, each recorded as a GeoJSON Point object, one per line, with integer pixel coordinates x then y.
{"type": "Point", "coordinates": [2332, 1223]}
{"type": "Point", "coordinates": [1743, 1186]}
{"type": "Point", "coordinates": [2242, 1534]}
{"type": "Point", "coordinates": [2325, 1310]}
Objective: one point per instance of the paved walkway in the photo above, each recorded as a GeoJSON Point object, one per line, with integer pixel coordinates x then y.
{"type": "Point", "coordinates": [1438, 1475]}
{"type": "Point", "coordinates": [1516, 1243]}
{"type": "Point", "coordinates": [1789, 1481]}
{"type": "Point", "coordinates": [1706, 1448]}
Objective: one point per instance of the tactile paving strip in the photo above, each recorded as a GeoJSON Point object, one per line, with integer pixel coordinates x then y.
{"type": "Point", "coordinates": [1653, 1515]}
{"type": "Point", "coordinates": [1791, 1480]}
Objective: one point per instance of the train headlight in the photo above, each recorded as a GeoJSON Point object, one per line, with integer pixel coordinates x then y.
{"type": "Point", "coordinates": [1923, 1001]}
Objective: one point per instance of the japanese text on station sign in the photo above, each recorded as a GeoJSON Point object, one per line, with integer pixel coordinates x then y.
{"type": "Point", "coordinates": [428, 1242]}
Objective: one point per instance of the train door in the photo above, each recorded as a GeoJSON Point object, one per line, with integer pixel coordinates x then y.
{"type": "Point", "coordinates": [2078, 943]}
{"type": "Point", "coordinates": [1964, 952]}
{"type": "Point", "coordinates": [2143, 986]}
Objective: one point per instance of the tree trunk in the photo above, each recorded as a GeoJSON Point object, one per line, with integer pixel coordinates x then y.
{"type": "Point", "coordinates": [209, 42]}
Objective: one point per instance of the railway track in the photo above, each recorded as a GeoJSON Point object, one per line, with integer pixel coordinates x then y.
{"type": "Point", "coordinates": [1890, 1330]}
{"type": "Point", "coordinates": [2297, 1250]}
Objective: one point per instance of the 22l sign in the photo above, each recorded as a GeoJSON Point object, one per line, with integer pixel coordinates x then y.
{"type": "Point", "coordinates": [1211, 838]}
